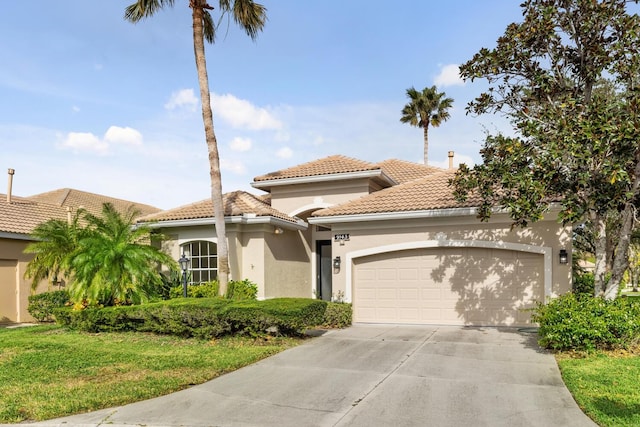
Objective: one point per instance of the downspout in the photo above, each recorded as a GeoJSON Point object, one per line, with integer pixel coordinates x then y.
{"type": "Point", "coordinates": [10, 185]}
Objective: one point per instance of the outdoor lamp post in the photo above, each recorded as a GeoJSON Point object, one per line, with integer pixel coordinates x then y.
{"type": "Point", "coordinates": [184, 265]}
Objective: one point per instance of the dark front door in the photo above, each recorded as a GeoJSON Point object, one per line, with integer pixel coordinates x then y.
{"type": "Point", "coordinates": [324, 269]}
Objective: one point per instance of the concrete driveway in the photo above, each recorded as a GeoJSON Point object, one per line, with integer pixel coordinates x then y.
{"type": "Point", "coordinates": [374, 375]}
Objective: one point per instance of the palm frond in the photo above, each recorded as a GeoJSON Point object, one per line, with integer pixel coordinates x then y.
{"type": "Point", "coordinates": [145, 9]}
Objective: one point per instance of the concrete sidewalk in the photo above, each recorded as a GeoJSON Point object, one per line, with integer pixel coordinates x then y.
{"type": "Point", "coordinates": [373, 375]}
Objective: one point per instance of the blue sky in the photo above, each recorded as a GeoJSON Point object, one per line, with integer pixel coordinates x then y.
{"type": "Point", "coordinates": [92, 102]}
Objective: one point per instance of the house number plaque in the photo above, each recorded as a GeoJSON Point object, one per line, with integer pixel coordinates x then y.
{"type": "Point", "coordinates": [341, 237]}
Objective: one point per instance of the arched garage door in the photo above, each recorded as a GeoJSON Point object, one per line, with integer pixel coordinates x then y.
{"type": "Point", "coordinates": [451, 286]}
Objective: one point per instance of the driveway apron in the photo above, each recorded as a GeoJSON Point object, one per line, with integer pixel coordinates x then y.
{"type": "Point", "coordinates": [374, 375]}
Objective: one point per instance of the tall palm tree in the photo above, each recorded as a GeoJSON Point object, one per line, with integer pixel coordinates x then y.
{"type": "Point", "coordinates": [56, 242]}
{"type": "Point", "coordinates": [114, 264]}
{"type": "Point", "coordinates": [250, 16]}
{"type": "Point", "coordinates": [428, 107]}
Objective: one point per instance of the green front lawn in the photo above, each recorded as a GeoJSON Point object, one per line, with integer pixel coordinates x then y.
{"type": "Point", "coordinates": [48, 372]}
{"type": "Point", "coordinates": [605, 385]}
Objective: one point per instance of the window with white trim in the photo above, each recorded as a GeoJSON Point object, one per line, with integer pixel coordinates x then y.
{"type": "Point", "coordinates": [204, 261]}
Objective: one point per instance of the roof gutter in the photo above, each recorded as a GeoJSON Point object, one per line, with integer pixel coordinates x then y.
{"type": "Point", "coordinates": [386, 216]}
{"type": "Point", "coordinates": [239, 219]}
{"type": "Point", "coordinates": [431, 213]}
{"type": "Point", "coordinates": [376, 173]}
{"type": "Point", "coordinates": [16, 236]}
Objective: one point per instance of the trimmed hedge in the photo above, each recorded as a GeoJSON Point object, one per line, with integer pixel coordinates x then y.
{"type": "Point", "coordinates": [204, 318]}
{"type": "Point", "coordinates": [582, 322]}
{"type": "Point", "coordinates": [338, 315]}
{"type": "Point", "coordinates": [41, 306]}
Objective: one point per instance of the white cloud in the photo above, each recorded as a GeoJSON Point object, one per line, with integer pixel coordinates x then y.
{"type": "Point", "coordinates": [182, 98]}
{"type": "Point", "coordinates": [85, 141]}
{"type": "Point", "coordinates": [240, 144]}
{"type": "Point", "coordinates": [285, 153]}
{"type": "Point", "coordinates": [88, 142]}
{"type": "Point", "coordinates": [126, 136]}
{"type": "Point", "coordinates": [241, 114]}
{"type": "Point", "coordinates": [233, 166]}
{"type": "Point", "coordinates": [449, 76]}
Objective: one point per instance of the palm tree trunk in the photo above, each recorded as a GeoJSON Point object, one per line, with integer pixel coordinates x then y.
{"type": "Point", "coordinates": [426, 144]}
{"type": "Point", "coordinates": [212, 146]}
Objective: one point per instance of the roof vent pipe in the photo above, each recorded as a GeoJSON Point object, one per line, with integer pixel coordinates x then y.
{"type": "Point", "coordinates": [10, 185]}
{"type": "Point", "coordinates": [450, 159]}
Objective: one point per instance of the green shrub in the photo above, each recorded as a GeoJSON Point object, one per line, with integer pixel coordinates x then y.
{"type": "Point", "coordinates": [582, 322]}
{"type": "Point", "coordinates": [170, 280]}
{"type": "Point", "coordinates": [338, 315]}
{"type": "Point", "coordinates": [201, 290]}
{"type": "Point", "coordinates": [241, 290]}
{"type": "Point", "coordinates": [41, 305]}
{"type": "Point", "coordinates": [583, 283]}
{"type": "Point", "coordinates": [287, 316]}
{"type": "Point", "coordinates": [204, 318]}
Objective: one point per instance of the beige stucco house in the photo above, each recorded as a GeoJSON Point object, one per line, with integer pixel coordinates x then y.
{"type": "Point", "coordinates": [388, 237]}
{"type": "Point", "coordinates": [18, 217]}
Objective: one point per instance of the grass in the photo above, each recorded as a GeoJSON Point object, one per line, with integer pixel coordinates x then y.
{"type": "Point", "coordinates": [606, 385]}
{"type": "Point", "coordinates": [48, 372]}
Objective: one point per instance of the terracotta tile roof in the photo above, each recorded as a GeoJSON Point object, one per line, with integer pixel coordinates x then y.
{"type": "Point", "coordinates": [236, 203]}
{"type": "Point", "coordinates": [90, 201]}
{"type": "Point", "coordinates": [327, 166]}
{"type": "Point", "coordinates": [402, 171]}
{"type": "Point", "coordinates": [23, 215]}
{"type": "Point", "coordinates": [428, 193]}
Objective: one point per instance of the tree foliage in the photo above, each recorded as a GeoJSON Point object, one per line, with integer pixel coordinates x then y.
{"type": "Point", "coordinates": [106, 259]}
{"type": "Point", "coordinates": [55, 243]}
{"type": "Point", "coordinates": [567, 77]}
{"type": "Point", "coordinates": [251, 17]}
{"type": "Point", "coordinates": [425, 108]}
{"type": "Point", "coordinates": [114, 264]}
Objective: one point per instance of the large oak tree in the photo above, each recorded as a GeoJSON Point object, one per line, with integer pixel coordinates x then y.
{"type": "Point", "coordinates": [567, 77]}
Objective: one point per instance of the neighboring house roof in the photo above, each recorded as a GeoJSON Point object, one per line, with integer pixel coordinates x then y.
{"type": "Point", "coordinates": [237, 203]}
{"type": "Point", "coordinates": [22, 215]}
{"type": "Point", "coordinates": [69, 197]}
{"type": "Point", "coordinates": [424, 194]}
{"type": "Point", "coordinates": [402, 171]}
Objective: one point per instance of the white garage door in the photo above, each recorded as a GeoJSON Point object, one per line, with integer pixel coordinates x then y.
{"type": "Point", "coordinates": [450, 286]}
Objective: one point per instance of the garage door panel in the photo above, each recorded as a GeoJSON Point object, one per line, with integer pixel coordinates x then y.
{"type": "Point", "coordinates": [459, 286]}
{"type": "Point", "coordinates": [411, 294]}
{"type": "Point", "coordinates": [408, 273]}
{"type": "Point", "coordinates": [387, 274]}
